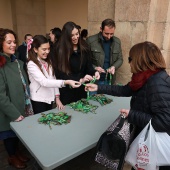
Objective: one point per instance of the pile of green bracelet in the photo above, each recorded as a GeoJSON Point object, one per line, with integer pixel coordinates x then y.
{"type": "Point", "coordinates": [83, 106]}
{"type": "Point", "coordinates": [101, 98]}
{"type": "Point", "coordinates": [54, 118]}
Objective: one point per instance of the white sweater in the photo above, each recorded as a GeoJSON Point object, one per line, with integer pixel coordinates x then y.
{"type": "Point", "coordinates": [43, 87]}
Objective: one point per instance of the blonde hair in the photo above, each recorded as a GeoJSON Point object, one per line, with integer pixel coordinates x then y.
{"type": "Point", "coordinates": [146, 56]}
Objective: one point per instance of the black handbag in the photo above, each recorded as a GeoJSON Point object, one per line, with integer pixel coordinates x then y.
{"type": "Point", "coordinates": [112, 146]}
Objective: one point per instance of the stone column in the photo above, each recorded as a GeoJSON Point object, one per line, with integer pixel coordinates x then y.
{"type": "Point", "coordinates": [98, 10]}
{"type": "Point", "coordinates": [146, 20]}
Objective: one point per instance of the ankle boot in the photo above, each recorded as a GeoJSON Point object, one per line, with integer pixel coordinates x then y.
{"type": "Point", "coordinates": [22, 157]}
{"type": "Point", "coordinates": [15, 162]}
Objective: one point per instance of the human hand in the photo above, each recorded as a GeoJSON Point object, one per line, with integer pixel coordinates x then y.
{"type": "Point", "coordinates": [59, 105]}
{"type": "Point", "coordinates": [72, 83]}
{"type": "Point", "coordinates": [97, 75]}
{"type": "Point", "coordinates": [85, 79]}
{"type": "Point", "coordinates": [20, 118]}
{"type": "Point", "coordinates": [91, 87]}
{"type": "Point", "coordinates": [124, 112]}
{"type": "Point", "coordinates": [111, 70]}
{"type": "Point", "coordinates": [100, 70]}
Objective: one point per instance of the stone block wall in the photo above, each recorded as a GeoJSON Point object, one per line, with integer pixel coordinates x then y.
{"type": "Point", "coordinates": [28, 17]}
{"type": "Point", "coordinates": [136, 21]}
{"type": "Point", "coordinates": [98, 10]}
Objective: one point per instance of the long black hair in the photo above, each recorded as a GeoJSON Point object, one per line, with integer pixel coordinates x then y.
{"type": "Point", "coordinates": [64, 48]}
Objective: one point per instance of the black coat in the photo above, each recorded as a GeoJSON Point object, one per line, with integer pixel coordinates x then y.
{"type": "Point", "coordinates": [150, 101]}
{"type": "Point", "coordinates": [22, 54]}
{"type": "Point", "coordinates": [78, 71]}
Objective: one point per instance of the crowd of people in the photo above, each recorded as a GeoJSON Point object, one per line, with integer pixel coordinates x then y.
{"type": "Point", "coordinates": [41, 72]}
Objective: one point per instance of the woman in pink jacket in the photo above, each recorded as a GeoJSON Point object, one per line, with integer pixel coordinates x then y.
{"type": "Point", "coordinates": [44, 88]}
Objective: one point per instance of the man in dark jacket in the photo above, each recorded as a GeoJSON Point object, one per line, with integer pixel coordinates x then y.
{"type": "Point", "coordinates": [22, 49]}
{"type": "Point", "coordinates": [106, 51]}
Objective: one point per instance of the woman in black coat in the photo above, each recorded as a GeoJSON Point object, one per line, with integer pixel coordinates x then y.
{"type": "Point", "coordinates": [72, 61]}
{"type": "Point", "coordinates": [149, 88]}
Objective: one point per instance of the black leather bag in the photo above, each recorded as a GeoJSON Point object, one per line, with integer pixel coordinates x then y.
{"type": "Point", "coordinates": [112, 145]}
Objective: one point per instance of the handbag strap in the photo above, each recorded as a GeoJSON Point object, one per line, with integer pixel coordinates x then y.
{"type": "Point", "coordinates": [119, 126]}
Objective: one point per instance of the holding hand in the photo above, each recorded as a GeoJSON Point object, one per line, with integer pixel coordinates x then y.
{"type": "Point", "coordinates": [72, 83]}
{"type": "Point", "coordinates": [91, 87]}
{"type": "Point", "coordinates": [97, 75]}
{"type": "Point", "coordinates": [86, 78]}
{"type": "Point", "coordinates": [19, 119]}
{"type": "Point", "coordinates": [100, 70]}
{"type": "Point", "coordinates": [111, 70]}
{"type": "Point", "coordinates": [124, 112]}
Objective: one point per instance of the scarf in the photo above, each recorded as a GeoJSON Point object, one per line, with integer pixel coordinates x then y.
{"type": "Point", "coordinates": [28, 105]}
{"type": "Point", "coordinates": [139, 79]}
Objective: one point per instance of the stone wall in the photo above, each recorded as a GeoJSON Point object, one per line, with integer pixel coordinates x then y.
{"type": "Point", "coordinates": [28, 17]}
{"type": "Point", "coordinates": [136, 21]}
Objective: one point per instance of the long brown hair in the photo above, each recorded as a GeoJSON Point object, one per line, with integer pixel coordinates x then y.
{"type": "Point", "coordinates": [146, 56]}
{"type": "Point", "coordinates": [64, 48]}
{"type": "Point", "coordinates": [38, 40]}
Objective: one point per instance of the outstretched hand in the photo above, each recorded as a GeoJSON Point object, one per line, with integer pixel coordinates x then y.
{"type": "Point", "coordinates": [74, 84]}
{"type": "Point", "coordinates": [91, 87]}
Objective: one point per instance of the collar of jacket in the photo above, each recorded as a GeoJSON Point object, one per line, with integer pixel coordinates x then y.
{"type": "Point", "coordinates": [4, 59]}
{"type": "Point", "coordinates": [24, 43]}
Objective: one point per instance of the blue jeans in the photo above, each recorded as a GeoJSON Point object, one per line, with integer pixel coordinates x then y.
{"type": "Point", "coordinates": [99, 83]}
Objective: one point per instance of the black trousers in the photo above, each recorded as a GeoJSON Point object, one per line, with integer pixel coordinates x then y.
{"type": "Point", "coordinates": [11, 145]}
{"type": "Point", "coordinates": [39, 107]}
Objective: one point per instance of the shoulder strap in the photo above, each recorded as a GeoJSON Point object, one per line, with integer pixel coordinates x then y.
{"type": "Point", "coordinates": [119, 126]}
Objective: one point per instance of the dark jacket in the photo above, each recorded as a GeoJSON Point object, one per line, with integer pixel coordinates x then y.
{"type": "Point", "coordinates": [22, 54]}
{"type": "Point", "coordinates": [98, 55]}
{"type": "Point", "coordinates": [150, 101]}
{"type": "Point", "coordinates": [12, 96]}
{"type": "Point", "coordinates": [78, 71]}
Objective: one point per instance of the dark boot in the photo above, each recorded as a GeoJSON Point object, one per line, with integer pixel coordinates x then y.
{"type": "Point", "coordinates": [15, 162]}
{"type": "Point", "coordinates": [22, 157]}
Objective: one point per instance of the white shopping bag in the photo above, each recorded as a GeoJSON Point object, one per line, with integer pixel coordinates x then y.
{"type": "Point", "coordinates": [163, 148]}
{"type": "Point", "coordinates": [142, 151]}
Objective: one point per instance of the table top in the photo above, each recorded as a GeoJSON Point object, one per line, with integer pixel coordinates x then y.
{"type": "Point", "coordinates": [53, 147]}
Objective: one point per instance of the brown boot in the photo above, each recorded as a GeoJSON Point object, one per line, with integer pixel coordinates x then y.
{"type": "Point", "coordinates": [15, 162]}
{"type": "Point", "coordinates": [22, 157]}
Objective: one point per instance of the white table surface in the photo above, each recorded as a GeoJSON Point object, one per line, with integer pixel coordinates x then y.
{"type": "Point", "coordinates": [51, 148]}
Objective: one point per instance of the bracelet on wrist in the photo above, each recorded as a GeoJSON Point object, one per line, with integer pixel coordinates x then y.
{"type": "Point", "coordinates": [57, 96]}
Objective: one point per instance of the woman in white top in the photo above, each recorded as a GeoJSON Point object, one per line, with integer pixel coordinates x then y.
{"type": "Point", "coordinates": [44, 88]}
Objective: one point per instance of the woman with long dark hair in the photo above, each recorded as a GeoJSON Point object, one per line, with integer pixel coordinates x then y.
{"type": "Point", "coordinates": [72, 61]}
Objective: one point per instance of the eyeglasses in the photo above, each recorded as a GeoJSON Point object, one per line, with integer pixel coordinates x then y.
{"type": "Point", "coordinates": [129, 59]}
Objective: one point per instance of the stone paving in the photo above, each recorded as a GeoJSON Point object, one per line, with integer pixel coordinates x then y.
{"type": "Point", "coordinates": [82, 162]}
